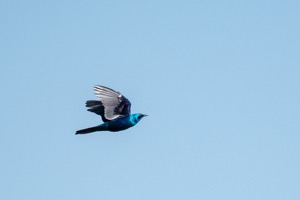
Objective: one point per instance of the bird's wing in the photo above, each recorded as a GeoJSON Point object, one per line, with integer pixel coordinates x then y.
{"type": "Point", "coordinates": [115, 104]}
{"type": "Point", "coordinates": [96, 106]}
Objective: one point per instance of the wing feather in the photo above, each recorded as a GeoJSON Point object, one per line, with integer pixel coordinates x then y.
{"type": "Point", "coordinates": [115, 104]}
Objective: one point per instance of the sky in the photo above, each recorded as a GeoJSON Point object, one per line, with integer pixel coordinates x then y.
{"type": "Point", "coordinates": [219, 80]}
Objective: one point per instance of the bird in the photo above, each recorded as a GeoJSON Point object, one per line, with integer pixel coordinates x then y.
{"type": "Point", "coordinates": [114, 109]}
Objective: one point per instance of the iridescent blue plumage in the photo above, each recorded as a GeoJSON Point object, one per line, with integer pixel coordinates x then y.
{"type": "Point", "coordinates": [114, 109]}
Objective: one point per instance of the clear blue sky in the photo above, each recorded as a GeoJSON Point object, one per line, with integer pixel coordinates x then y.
{"type": "Point", "coordinates": [219, 79]}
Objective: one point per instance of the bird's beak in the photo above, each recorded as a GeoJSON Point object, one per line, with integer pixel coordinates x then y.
{"type": "Point", "coordinates": [144, 115]}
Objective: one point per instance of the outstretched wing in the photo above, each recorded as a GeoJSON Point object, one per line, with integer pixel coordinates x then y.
{"type": "Point", "coordinates": [112, 103]}
{"type": "Point", "coordinates": [96, 106]}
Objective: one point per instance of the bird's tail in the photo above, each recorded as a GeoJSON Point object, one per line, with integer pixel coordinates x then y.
{"type": "Point", "coordinates": [91, 129]}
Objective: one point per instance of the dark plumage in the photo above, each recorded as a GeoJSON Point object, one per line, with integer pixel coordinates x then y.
{"type": "Point", "coordinates": [114, 109]}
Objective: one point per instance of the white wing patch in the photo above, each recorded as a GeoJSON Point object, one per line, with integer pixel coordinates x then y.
{"type": "Point", "coordinates": [110, 100]}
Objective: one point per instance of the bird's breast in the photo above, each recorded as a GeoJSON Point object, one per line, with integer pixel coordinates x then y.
{"type": "Point", "coordinates": [120, 124]}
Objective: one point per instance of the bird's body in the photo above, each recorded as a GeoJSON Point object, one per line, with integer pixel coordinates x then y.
{"type": "Point", "coordinates": [119, 124]}
{"type": "Point", "coordinates": [114, 110]}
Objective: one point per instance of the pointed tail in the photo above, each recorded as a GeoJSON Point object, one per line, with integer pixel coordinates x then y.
{"type": "Point", "coordinates": [91, 129]}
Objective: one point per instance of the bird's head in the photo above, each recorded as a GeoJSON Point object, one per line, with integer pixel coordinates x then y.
{"type": "Point", "coordinates": [137, 117]}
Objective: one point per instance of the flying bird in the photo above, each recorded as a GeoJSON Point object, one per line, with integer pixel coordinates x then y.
{"type": "Point", "coordinates": [114, 109]}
